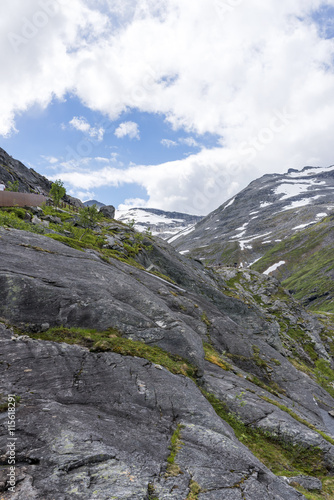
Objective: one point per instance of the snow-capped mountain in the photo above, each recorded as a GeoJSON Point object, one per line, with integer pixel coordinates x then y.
{"type": "Point", "coordinates": [158, 222]}
{"type": "Point", "coordinates": [269, 209]}
{"type": "Point", "coordinates": [282, 225]}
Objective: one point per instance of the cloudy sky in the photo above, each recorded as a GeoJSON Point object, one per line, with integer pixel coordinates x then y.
{"type": "Point", "coordinates": [176, 104]}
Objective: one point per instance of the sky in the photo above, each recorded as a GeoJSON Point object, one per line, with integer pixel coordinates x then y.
{"type": "Point", "coordinates": [176, 104]}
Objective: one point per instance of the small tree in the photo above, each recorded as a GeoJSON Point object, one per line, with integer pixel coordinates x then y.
{"type": "Point", "coordinates": [88, 217]}
{"type": "Point", "coordinates": [57, 192]}
{"type": "Point", "coordinates": [13, 186]}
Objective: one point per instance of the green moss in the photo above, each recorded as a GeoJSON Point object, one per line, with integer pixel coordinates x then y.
{"type": "Point", "coordinates": [298, 418]}
{"type": "Point", "coordinates": [151, 492]}
{"type": "Point", "coordinates": [280, 457]}
{"type": "Point", "coordinates": [111, 340]}
{"type": "Point", "coordinates": [70, 242]}
{"type": "Point", "coordinates": [175, 445]}
{"type": "Point", "coordinates": [195, 490]}
{"type": "Point", "coordinates": [214, 357]}
{"type": "Point", "coordinates": [271, 387]}
{"type": "Point", "coordinates": [205, 319]}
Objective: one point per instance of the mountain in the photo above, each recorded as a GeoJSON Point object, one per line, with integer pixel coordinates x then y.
{"type": "Point", "coordinates": [280, 224]}
{"type": "Point", "coordinates": [138, 373]}
{"type": "Point", "coordinates": [158, 222]}
{"type": "Point", "coordinates": [89, 203]}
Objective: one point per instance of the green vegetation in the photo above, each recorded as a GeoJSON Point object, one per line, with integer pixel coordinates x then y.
{"type": "Point", "coordinates": [309, 265]}
{"type": "Point", "coordinates": [175, 445]}
{"type": "Point", "coordinates": [13, 186]}
{"type": "Point", "coordinates": [195, 490]}
{"type": "Point", "coordinates": [13, 218]}
{"type": "Point", "coordinates": [111, 340]}
{"type": "Point", "coordinates": [298, 418]}
{"type": "Point", "coordinates": [88, 218]}
{"type": "Point", "coordinates": [214, 357]}
{"type": "Point", "coordinates": [57, 191]}
{"type": "Point", "coordinates": [281, 458]}
{"type": "Point", "coordinates": [4, 402]}
{"type": "Point", "coordinates": [90, 233]}
{"type": "Point", "coordinates": [151, 492]}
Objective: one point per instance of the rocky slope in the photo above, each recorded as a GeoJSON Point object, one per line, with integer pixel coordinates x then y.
{"type": "Point", "coordinates": [29, 180]}
{"type": "Point", "coordinates": [158, 372]}
{"type": "Point", "coordinates": [279, 224]}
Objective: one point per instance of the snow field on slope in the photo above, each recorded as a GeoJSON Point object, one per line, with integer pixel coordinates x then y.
{"type": "Point", "coordinates": [274, 267]}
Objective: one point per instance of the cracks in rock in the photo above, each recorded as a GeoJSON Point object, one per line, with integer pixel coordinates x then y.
{"type": "Point", "coordinates": [92, 460]}
{"type": "Point", "coordinates": [76, 376]}
{"type": "Point", "coordinates": [239, 485]}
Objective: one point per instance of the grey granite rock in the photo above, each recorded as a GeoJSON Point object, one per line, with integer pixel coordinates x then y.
{"type": "Point", "coordinates": [101, 426]}
{"type": "Point", "coordinates": [307, 482]}
{"type": "Point", "coordinates": [108, 211]}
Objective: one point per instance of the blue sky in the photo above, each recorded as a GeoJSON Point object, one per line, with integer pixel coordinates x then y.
{"type": "Point", "coordinates": [47, 139]}
{"type": "Point", "coordinates": [176, 105]}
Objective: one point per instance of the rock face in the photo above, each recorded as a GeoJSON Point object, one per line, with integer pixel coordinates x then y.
{"type": "Point", "coordinates": [29, 180]}
{"type": "Point", "coordinates": [101, 426]}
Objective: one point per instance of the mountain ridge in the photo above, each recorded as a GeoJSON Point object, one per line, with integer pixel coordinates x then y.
{"type": "Point", "coordinates": [253, 228]}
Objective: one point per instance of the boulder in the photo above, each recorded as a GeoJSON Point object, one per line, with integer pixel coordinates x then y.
{"type": "Point", "coordinates": [307, 482]}
{"type": "Point", "coordinates": [108, 211]}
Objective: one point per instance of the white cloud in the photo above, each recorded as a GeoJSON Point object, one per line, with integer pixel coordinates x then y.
{"type": "Point", "coordinates": [189, 141]}
{"type": "Point", "coordinates": [130, 129]}
{"type": "Point", "coordinates": [132, 203]}
{"type": "Point", "coordinates": [258, 75]}
{"type": "Point", "coordinates": [168, 143]}
{"type": "Point", "coordinates": [50, 159]}
{"type": "Point", "coordinates": [81, 124]}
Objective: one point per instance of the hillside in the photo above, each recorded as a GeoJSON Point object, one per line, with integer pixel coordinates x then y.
{"type": "Point", "coordinates": [205, 354]}
{"type": "Point", "coordinates": [140, 374]}
{"type": "Point", "coordinates": [279, 224]}
{"type": "Point", "coordinates": [29, 181]}
{"type": "Point", "coordinates": [158, 222]}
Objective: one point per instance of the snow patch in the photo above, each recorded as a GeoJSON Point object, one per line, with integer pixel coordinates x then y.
{"type": "Point", "coordinates": [254, 262]}
{"type": "Point", "coordinates": [301, 226]}
{"type": "Point", "coordinates": [182, 233]}
{"type": "Point", "coordinates": [264, 204]}
{"type": "Point", "coordinates": [184, 252]}
{"type": "Point", "coordinates": [243, 227]}
{"type": "Point", "coordinates": [238, 235]}
{"type": "Point", "coordinates": [229, 204]}
{"type": "Point", "coordinates": [292, 188]}
{"type": "Point", "coordinates": [274, 267]}
{"type": "Point", "coordinates": [296, 204]}
{"type": "Point", "coordinates": [311, 171]}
